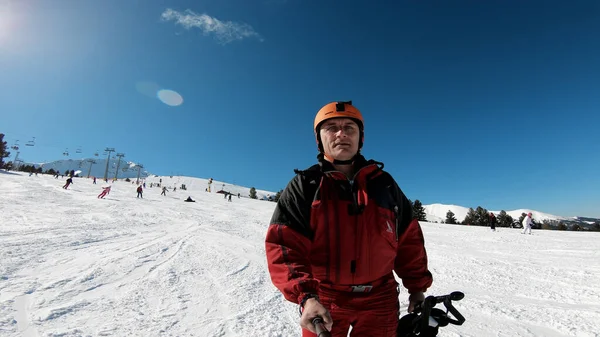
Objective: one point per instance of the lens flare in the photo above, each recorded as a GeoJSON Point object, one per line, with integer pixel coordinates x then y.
{"type": "Point", "coordinates": [169, 97]}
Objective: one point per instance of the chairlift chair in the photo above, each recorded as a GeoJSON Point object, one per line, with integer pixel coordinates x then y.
{"type": "Point", "coordinates": [31, 142]}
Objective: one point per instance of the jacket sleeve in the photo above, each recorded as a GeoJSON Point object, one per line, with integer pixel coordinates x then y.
{"type": "Point", "coordinates": [288, 243]}
{"type": "Point", "coordinates": [411, 258]}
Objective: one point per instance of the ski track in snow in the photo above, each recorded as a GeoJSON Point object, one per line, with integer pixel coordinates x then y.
{"type": "Point", "coordinates": [74, 265]}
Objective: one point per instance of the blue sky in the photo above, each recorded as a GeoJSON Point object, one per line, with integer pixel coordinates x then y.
{"type": "Point", "coordinates": [491, 103]}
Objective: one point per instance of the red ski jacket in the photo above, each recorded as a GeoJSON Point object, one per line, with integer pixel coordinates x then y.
{"type": "Point", "coordinates": [330, 231]}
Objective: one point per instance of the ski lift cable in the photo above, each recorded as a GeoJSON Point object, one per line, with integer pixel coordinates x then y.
{"type": "Point", "coordinates": [52, 146]}
{"type": "Point", "coordinates": [45, 144]}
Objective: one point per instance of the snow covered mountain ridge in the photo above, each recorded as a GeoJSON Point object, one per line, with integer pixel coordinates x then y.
{"type": "Point", "coordinates": [95, 167]}
{"type": "Point", "coordinates": [437, 213]}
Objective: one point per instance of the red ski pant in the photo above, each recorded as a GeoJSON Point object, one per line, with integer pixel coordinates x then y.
{"type": "Point", "coordinates": [372, 314]}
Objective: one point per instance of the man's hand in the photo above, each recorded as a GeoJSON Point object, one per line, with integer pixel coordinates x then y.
{"type": "Point", "coordinates": [312, 309]}
{"type": "Point", "coordinates": [414, 299]}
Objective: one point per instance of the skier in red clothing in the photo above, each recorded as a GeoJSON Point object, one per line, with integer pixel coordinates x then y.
{"type": "Point", "coordinates": [339, 230]}
{"type": "Point", "coordinates": [105, 191]}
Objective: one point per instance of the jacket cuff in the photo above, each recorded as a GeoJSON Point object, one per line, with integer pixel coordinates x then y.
{"type": "Point", "coordinates": [303, 298]}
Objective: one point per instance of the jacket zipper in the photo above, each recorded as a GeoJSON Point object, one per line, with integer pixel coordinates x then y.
{"type": "Point", "coordinates": [356, 234]}
{"type": "Point", "coordinates": [355, 204]}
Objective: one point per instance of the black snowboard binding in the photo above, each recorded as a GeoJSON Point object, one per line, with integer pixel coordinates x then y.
{"type": "Point", "coordinates": [426, 319]}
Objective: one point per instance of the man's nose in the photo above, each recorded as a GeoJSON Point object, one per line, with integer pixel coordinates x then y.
{"type": "Point", "coordinates": [341, 133]}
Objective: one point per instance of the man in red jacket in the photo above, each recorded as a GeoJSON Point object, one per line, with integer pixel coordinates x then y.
{"type": "Point", "coordinates": [339, 230]}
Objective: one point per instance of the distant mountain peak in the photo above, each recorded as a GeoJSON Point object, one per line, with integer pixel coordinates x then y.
{"type": "Point", "coordinates": [95, 167]}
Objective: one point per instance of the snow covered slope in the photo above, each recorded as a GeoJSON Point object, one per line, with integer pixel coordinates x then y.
{"type": "Point", "coordinates": [199, 185]}
{"type": "Point", "coordinates": [75, 265]}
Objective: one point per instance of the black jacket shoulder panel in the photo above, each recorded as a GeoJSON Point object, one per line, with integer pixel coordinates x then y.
{"type": "Point", "coordinates": [397, 199]}
{"type": "Point", "coordinates": [381, 189]}
{"type": "Point", "coordinates": [294, 205]}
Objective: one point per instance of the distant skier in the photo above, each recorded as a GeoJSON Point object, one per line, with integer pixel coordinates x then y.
{"type": "Point", "coordinates": [229, 197]}
{"type": "Point", "coordinates": [164, 191]}
{"type": "Point", "coordinates": [94, 180]}
{"type": "Point", "coordinates": [140, 191]}
{"type": "Point", "coordinates": [238, 195]}
{"type": "Point", "coordinates": [69, 182]}
{"type": "Point", "coordinates": [527, 222]}
{"type": "Point", "coordinates": [492, 221]}
{"type": "Point", "coordinates": [189, 199]}
{"type": "Point", "coordinates": [209, 183]}
{"type": "Point", "coordinates": [105, 191]}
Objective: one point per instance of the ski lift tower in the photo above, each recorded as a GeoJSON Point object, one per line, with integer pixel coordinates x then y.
{"type": "Point", "coordinates": [92, 162]}
{"type": "Point", "coordinates": [107, 150]}
{"type": "Point", "coordinates": [17, 163]}
{"type": "Point", "coordinates": [140, 167]}
{"type": "Point", "coordinates": [120, 155]}
{"type": "Point", "coordinates": [16, 148]}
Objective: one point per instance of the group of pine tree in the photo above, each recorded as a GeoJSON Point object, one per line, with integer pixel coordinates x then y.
{"type": "Point", "coordinates": [3, 150]}
{"type": "Point", "coordinates": [481, 217]}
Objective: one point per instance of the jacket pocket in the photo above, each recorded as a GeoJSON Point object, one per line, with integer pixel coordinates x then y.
{"type": "Point", "coordinates": [386, 225]}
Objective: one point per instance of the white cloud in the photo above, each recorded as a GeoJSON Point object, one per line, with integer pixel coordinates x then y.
{"type": "Point", "coordinates": [223, 31]}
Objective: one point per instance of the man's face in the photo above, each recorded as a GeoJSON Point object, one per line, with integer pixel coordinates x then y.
{"type": "Point", "coordinates": [340, 137]}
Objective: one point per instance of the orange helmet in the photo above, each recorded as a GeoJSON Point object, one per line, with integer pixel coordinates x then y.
{"type": "Point", "coordinates": [338, 110]}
